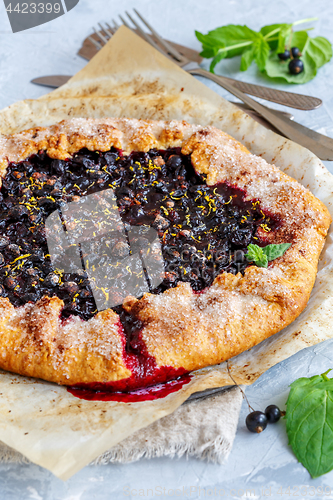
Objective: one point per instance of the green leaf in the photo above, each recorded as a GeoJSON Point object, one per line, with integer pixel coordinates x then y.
{"type": "Point", "coordinates": [256, 254]}
{"type": "Point", "coordinates": [299, 39]}
{"type": "Point", "coordinates": [247, 58]}
{"type": "Point", "coordinates": [320, 50]}
{"type": "Point", "coordinates": [222, 54]}
{"type": "Point", "coordinates": [207, 53]}
{"type": "Point", "coordinates": [275, 251]}
{"type": "Point", "coordinates": [208, 43]}
{"type": "Point", "coordinates": [263, 262]}
{"type": "Point", "coordinates": [266, 30]}
{"type": "Point", "coordinates": [279, 71]}
{"type": "Point", "coordinates": [232, 34]}
{"type": "Point", "coordinates": [262, 255]}
{"type": "Point", "coordinates": [280, 34]}
{"type": "Point", "coordinates": [285, 37]}
{"type": "Point", "coordinates": [261, 52]}
{"type": "Point", "coordinates": [310, 423]}
{"type": "Point", "coordinates": [228, 36]}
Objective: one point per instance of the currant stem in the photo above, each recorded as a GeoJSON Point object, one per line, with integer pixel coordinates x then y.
{"type": "Point", "coordinates": [239, 387]}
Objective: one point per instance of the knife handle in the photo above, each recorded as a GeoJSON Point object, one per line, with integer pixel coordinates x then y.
{"type": "Point", "coordinates": [298, 101]}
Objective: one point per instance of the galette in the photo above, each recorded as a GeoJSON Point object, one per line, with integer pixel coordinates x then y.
{"type": "Point", "coordinates": [124, 251]}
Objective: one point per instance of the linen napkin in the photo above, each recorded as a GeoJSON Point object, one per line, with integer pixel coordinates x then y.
{"type": "Point", "coordinates": [203, 428]}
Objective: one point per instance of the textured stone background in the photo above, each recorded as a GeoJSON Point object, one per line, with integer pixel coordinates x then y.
{"type": "Point", "coordinates": [259, 464]}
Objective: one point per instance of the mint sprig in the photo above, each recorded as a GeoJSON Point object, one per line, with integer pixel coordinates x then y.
{"type": "Point", "coordinates": [310, 422]}
{"type": "Point", "coordinates": [262, 255]}
{"type": "Point", "coordinates": [263, 46]}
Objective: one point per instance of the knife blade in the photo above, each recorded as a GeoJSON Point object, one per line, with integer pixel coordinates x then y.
{"type": "Point", "coordinates": [207, 393]}
{"type": "Point", "coordinates": [56, 81]}
{"type": "Point", "coordinates": [53, 81]}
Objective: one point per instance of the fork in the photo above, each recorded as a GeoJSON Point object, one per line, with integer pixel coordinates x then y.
{"type": "Point", "coordinates": [317, 143]}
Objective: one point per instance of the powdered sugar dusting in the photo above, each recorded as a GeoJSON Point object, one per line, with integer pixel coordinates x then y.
{"type": "Point", "coordinates": [181, 329]}
{"type": "Point", "coordinates": [39, 336]}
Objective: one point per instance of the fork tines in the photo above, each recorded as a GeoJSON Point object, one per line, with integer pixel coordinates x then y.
{"type": "Point", "coordinates": [104, 33]}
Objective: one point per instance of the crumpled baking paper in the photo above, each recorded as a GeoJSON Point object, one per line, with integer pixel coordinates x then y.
{"type": "Point", "coordinates": [128, 78]}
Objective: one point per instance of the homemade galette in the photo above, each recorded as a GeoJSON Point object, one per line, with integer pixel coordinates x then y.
{"type": "Point", "coordinates": [81, 301]}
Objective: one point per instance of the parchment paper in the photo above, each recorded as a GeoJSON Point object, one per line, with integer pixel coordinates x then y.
{"type": "Point", "coordinates": [128, 78]}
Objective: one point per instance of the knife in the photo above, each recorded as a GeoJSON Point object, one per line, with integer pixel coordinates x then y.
{"type": "Point", "coordinates": [56, 81]}
{"type": "Point", "coordinates": [319, 144]}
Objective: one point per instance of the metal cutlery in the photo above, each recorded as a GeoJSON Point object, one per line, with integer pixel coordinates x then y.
{"type": "Point", "coordinates": [53, 81]}
{"type": "Point", "coordinates": [95, 42]}
{"type": "Point", "coordinates": [208, 393]}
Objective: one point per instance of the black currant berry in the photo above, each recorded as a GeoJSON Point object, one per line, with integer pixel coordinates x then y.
{"type": "Point", "coordinates": [284, 56]}
{"type": "Point", "coordinates": [4, 242]}
{"type": "Point", "coordinates": [296, 66]}
{"type": "Point", "coordinates": [256, 421]}
{"type": "Point", "coordinates": [295, 52]}
{"type": "Point", "coordinates": [273, 414]}
{"type": "Point", "coordinates": [174, 161]}
{"type": "Point", "coordinates": [51, 280]}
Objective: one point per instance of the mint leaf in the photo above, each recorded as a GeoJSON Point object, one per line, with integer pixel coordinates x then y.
{"type": "Point", "coordinates": [299, 39]}
{"type": "Point", "coordinates": [275, 251]}
{"type": "Point", "coordinates": [262, 262]}
{"type": "Point", "coordinates": [227, 41]}
{"type": "Point", "coordinates": [209, 44]}
{"type": "Point", "coordinates": [261, 53]}
{"type": "Point", "coordinates": [222, 54]}
{"type": "Point", "coordinates": [247, 58]}
{"type": "Point", "coordinates": [310, 423]}
{"type": "Point", "coordinates": [277, 35]}
{"type": "Point", "coordinates": [262, 255]}
{"type": "Point", "coordinates": [272, 40]}
{"type": "Point", "coordinates": [228, 36]}
{"type": "Point", "coordinates": [256, 254]}
{"type": "Point", "coordinates": [319, 49]}
{"type": "Point", "coordinates": [285, 37]}
{"type": "Point", "coordinates": [207, 53]}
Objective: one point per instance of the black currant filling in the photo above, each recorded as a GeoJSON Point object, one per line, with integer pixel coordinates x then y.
{"type": "Point", "coordinates": [203, 230]}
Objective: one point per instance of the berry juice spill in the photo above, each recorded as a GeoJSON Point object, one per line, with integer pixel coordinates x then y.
{"type": "Point", "coordinates": [157, 391]}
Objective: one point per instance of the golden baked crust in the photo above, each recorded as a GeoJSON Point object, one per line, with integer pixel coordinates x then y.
{"type": "Point", "coordinates": [182, 329]}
